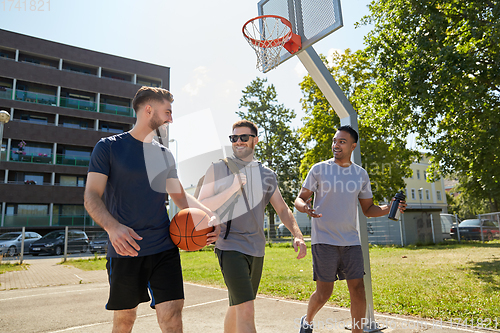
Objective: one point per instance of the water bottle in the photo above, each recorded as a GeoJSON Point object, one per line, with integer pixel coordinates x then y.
{"type": "Point", "coordinates": [394, 212]}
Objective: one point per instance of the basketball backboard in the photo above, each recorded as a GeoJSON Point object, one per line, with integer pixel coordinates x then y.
{"type": "Point", "coordinates": [312, 20]}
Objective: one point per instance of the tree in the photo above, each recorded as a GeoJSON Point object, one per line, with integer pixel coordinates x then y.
{"type": "Point", "coordinates": [384, 157]}
{"type": "Point", "coordinates": [279, 147]}
{"type": "Point", "coordinates": [437, 74]}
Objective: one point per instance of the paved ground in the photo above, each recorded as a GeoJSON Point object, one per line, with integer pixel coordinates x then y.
{"type": "Point", "coordinates": [54, 298]}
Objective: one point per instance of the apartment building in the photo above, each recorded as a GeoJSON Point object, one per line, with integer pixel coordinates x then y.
{"type": "Point", "coordinates": [421, 194]}
{"type": "Point", "coordinates": [61, 100]}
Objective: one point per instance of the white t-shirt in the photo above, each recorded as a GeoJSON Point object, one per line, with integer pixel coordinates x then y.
{"type": "Point", "coordinates": [336, 193]}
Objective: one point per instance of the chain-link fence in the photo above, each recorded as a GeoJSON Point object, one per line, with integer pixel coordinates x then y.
{"type": "Point", "coordinates": [20, 243]}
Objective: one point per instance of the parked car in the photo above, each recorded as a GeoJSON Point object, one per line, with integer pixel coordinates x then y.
{"type": "Point", "coordinates": [471, 229]}
{"type": "Point", "coordinates": [53, 243]}
{"type": "Point", "coordinates": [10, 242]}
{"type": "Point", "coordinates": [100, 243]}
{"type": "Point", "coordinates": [447, 222]}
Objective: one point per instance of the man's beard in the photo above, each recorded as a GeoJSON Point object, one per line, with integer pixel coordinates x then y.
{"type": "Point", "coordinates": [243, 154]}
{"type": "Point", "coordinates": [155, 122]}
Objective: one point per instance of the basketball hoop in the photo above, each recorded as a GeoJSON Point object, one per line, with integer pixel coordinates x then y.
{"type": "Point", "coordinates": [268, 35]}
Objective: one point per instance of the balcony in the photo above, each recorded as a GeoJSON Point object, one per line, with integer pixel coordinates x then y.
{"type": "Point", "coordinates": [79, 104]}
{"type": "Point", "coordinates": [72, 220]}
{"type": "Point", "coordinates": [74, 160]}
{"type": "Point", "coordinates": [44, 220]}
{"type": "Point", "coordinates": [5, 93]}
{"type": "Point", "coordinates": [22, 156]}
{"type": "Point", "coordinates": [26, 220]}
{"type": "Point", "coordinates": [39, 98]}
{"type": "Point", "coordinates": [116, 109]}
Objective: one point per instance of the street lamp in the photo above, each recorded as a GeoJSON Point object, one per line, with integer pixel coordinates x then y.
{"type": "Point", "coordinates": [4, 119]}
{"type": "Point", "coordinates": [176, 150]}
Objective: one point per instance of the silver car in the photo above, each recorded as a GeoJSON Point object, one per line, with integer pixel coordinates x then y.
{"type": "Point", "coordinates": [10, 242]}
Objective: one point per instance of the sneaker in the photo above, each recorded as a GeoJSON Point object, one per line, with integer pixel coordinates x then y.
{"type": "Point", "coordinates": [305, 327]}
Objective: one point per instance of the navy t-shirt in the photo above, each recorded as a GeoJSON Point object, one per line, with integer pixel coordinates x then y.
{"type": "Point", "coordinates": [135, 191]}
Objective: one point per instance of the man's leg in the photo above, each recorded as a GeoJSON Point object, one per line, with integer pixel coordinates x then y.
{"type": "Point", "coordinates": [358, 303]}
{"type": "Point", "coordinates": [123, 320]}
{"type": "Point", "coordinates": [169, 316]}
{"type": "Point", "coordinates": [240, 318]}
{"type": "Point", "coordinates": [319, 297]}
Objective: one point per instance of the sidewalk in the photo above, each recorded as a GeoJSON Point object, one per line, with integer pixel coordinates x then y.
{"type": "Point", "coordinates": [80, 309]}
{"type": "Point", "coordinates": [45, 272]}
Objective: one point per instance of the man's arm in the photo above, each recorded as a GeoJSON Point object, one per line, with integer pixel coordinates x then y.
{"type": "Point", "coordinates": [372, 210]}
{"type": "Point", "coordinates": [207, 193]}
{"type": "Point", "coordinates": [289, 221]}
{"type": "Point", "coordinates": [185, 200]}
{"type": "Point", "coordinates": [303, 202]}
{"type": "Point", "coordinates": [121, 236]}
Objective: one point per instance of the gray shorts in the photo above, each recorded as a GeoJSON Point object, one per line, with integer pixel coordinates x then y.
{"type": "Point", "coordinates": [332, 263]}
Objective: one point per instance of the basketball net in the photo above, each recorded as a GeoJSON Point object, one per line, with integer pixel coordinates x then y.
{"type": "Point", "coordinates": [267, 35]}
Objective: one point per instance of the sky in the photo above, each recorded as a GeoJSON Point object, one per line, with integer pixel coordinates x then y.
{"type": "Point", "coordinates": [202, 43]}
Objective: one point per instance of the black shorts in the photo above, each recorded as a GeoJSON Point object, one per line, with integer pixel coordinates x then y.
{"type": "Point", "coordinates": [242, 275]}
{"type": "Point", "coordinates": [131, 278]}
{"type": "Point", "coordinates": [332, 263]}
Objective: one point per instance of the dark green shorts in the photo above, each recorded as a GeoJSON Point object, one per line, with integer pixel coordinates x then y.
{"type": "Point", "coordinates": [242, 275]}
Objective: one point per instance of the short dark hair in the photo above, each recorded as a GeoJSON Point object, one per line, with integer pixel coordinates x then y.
{"type": "Point", "coordinates": [350, 130]}
{"type": "Point", "coordinates": [246, 123]}
{"type": "Point", "coordinates": [147, 94]}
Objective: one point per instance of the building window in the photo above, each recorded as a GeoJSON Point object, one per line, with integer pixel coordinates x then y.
{"type": "Point", "coordinates": [438, 195]}
{"type": "Point", "coordinates": [72, 181]}
{"type": "Point", "coordinates": [35, 179]}
{"type": "Point", "coordinates": [32, 209]}
{"type": "Point", "coordinates": [420, 194]}
{"type": "Point", "coordinates": [425, 175]}
{"type": "Point", "coordinates": [406, 192]}
{"type": "Point", "coordinates": [427, 195]}
{"type": "Point", "coordinates": [418, 174]}
{"type": "Point", "coordinates": [413, 193]}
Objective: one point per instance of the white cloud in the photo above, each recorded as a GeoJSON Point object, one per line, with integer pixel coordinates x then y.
{"type": "Point", "coordinates": [197, 81]}
{"type": "Point", "coordinates": [300, 70]}
{"type": "Point", "coordinates": [331, 52]}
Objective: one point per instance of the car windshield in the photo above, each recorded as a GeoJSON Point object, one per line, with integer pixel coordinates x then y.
{"type": "Point", "coordinates": [9, 236]}
{"type": "Point", "coordinates": [469, 223]}
{"type": "Point", "coordinates": [53, 235]}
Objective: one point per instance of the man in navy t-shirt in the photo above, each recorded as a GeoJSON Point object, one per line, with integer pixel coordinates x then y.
{"type": "Point", "coordinates": [128, 177]}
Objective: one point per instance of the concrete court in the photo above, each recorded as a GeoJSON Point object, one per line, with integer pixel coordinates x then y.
{"type": "Point", "coordinates": [76, 304]}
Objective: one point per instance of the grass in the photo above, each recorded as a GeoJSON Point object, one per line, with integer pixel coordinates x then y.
{"type": "Point", "coordinates": [95, 264]}
{"type": "Point", "coordinates": [12, 267]}
{"type": "Point", "coordinates": [445, 281]}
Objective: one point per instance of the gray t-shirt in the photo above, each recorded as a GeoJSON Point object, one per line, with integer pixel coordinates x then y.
{"type": "Point", "coordinates": [336, 193]}
{"type": "Point", "coordinates": [246, 234]}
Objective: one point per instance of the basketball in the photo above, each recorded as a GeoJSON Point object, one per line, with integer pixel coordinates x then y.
{"type": "Point", "coordinates": [189, 228]}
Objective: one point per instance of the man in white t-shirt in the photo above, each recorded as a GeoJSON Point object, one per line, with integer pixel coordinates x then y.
{"type": "Point", "coordinates": [338, 185]}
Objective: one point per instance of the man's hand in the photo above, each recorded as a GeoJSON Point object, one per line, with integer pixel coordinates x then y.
{"type": "Point", "coordinates": [214, 235]}
{"type": "Point", "coordinates": [122, 239]}
{"type": "Point", "coordinates": [298, 243]}
{"type": "Point", "coordinates": [239, 180]}
{"type": "Point", "coordinates": [309, 210]}
{"type": "Point", "coordinates": [402, 205]}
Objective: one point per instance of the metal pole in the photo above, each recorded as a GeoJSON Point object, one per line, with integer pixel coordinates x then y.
{"type": "Point", "coordinates": [348, 116]}
{"type": "Point", "coordinates": [481, 228]}
{"type": "Point", "coordinates": [458, 229]}
{"type": "Point", "coordinates": [432, 227]}
{"type": "Point", "coordinates": [65, 243]}
{"type": "Point", "coordinates": [22, 245]}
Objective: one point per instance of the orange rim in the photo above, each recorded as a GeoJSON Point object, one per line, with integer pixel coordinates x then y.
{"type": "Point", "coordinates": [271, 42]}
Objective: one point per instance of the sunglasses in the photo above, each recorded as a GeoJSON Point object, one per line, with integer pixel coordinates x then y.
{"type": "Point", "coordinates": [242, 137]}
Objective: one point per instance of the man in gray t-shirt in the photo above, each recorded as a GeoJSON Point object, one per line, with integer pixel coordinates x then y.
{"type": "Point", "coordinates": [244, 190]}
{"type": "Point", "coordinates": [338, 185]}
